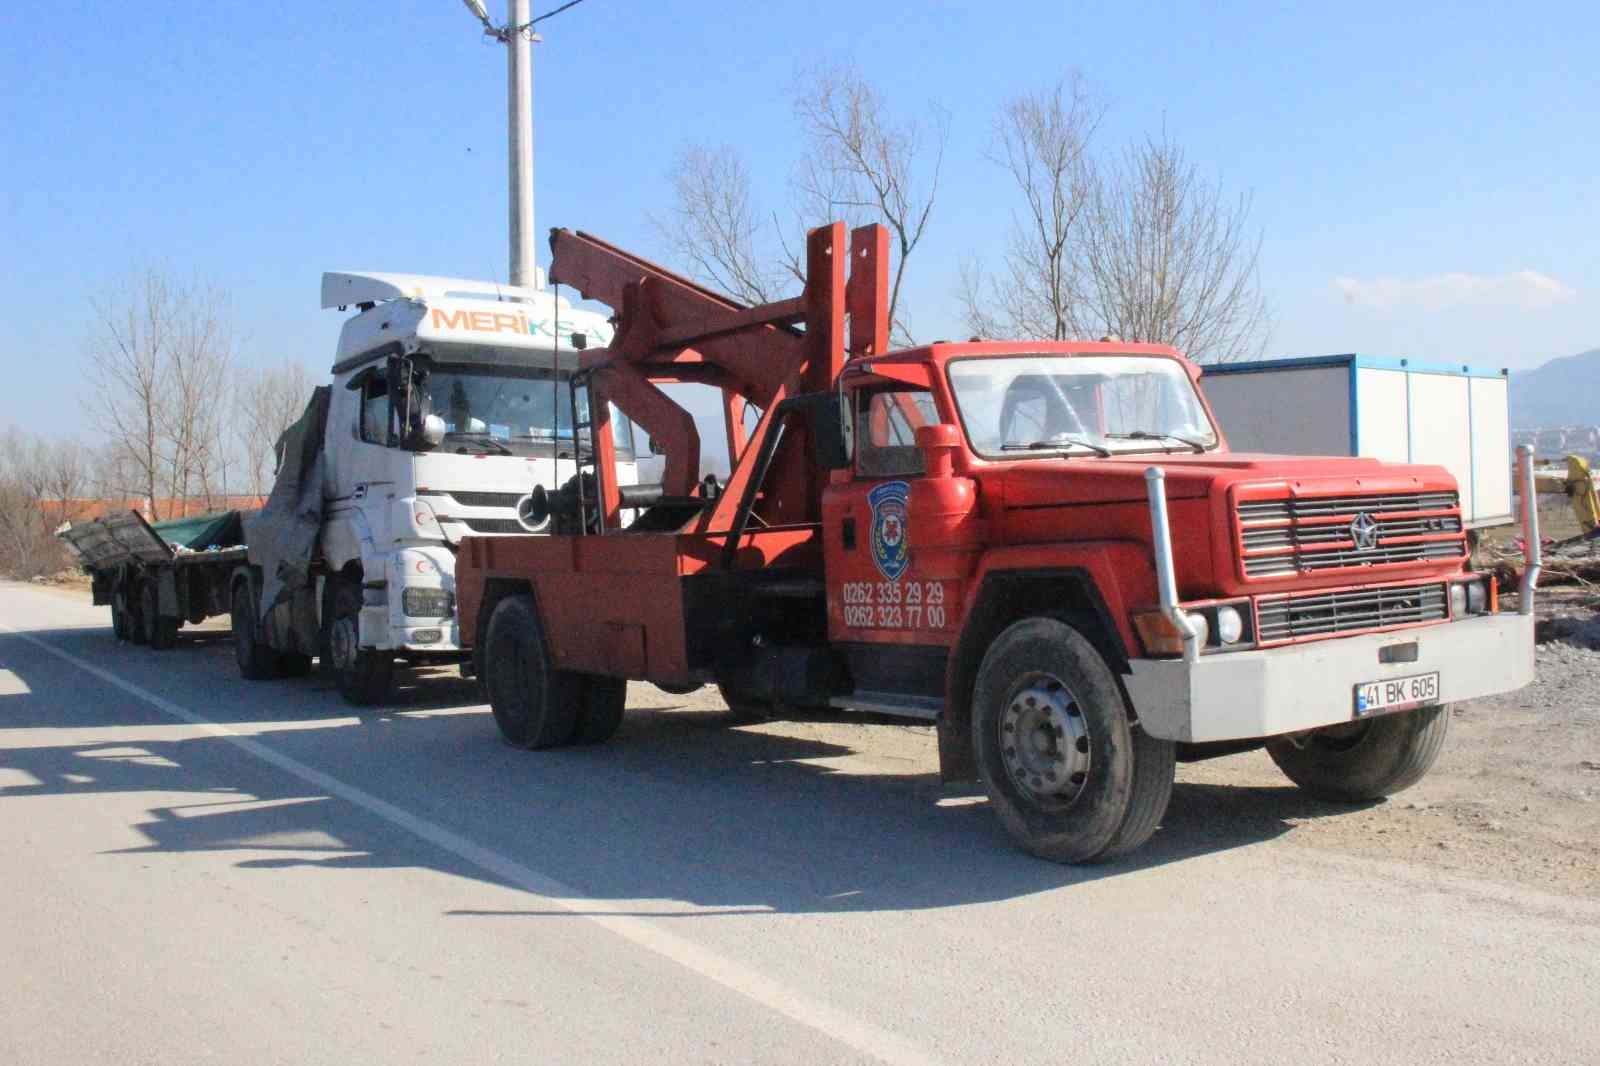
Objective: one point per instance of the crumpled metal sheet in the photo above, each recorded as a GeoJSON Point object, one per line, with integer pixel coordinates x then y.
{"type": "Point", "coordinates": [282, 538]}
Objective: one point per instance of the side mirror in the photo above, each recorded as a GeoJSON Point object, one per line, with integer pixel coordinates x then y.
{"type": "Point", "coordinates": [829, 449]}
{"type": "Point", "coordinates": [580, 341]}
{"type": "Point", "coordinates": [938, 444]}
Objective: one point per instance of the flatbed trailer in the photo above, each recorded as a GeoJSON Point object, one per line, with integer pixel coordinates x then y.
{"type": "Point", "coordinates": [152, 577]}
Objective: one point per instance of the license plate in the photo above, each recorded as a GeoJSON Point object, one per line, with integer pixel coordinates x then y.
{"type": "Point", "coordinates": [1396, 694]}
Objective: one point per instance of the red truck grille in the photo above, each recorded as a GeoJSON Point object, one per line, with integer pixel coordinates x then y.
{"type": "Point", "coordinates": [1308, 534]}
{"type": "Point", "coordinates": [1351, 610]}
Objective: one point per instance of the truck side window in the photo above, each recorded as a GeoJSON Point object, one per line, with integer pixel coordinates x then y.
{"type": "Point", "coordinates": [375, 410]}
{"type": "Point", "coordinates": [885, 432]}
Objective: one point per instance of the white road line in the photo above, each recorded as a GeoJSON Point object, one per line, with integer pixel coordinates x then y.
{"type": "Point", "coordinates": [856, 1033]}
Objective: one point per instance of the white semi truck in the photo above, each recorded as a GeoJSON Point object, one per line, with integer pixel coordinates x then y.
{"type": "Point", "coordinates": [449, 403]}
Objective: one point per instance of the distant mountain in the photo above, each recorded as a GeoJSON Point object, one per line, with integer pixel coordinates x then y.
{"type": "Point", "coordinates": [1562, 392]}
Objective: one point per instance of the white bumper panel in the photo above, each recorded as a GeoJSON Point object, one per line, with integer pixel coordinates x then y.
{"type": "Point", "coordinates": [1244, 694]}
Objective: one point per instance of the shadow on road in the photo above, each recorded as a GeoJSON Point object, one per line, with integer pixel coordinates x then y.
{"type": "Point", "coordinates": [679, 806]}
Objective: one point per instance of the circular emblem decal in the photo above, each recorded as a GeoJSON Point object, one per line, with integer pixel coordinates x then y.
{"type": "Point", "coordinates": [889, 548]}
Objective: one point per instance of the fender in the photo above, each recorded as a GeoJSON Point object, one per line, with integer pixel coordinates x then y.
{"type": "Point", "coordinates": [1101, 579]}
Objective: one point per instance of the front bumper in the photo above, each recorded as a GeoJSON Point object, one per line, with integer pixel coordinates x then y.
{"type": "Point", "coordinates": [1244, 694]}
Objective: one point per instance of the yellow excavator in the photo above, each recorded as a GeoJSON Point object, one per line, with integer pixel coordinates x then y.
{"type": "Point", "coordinates": [1578, 486]}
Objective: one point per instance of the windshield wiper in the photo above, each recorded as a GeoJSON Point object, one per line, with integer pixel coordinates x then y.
{"type": "Point", "coordinates": [1145, 434]}
{"type": "Point", "coordinates": [1059, 441]}
{"type": "Point", "coordinates": [486, 440]}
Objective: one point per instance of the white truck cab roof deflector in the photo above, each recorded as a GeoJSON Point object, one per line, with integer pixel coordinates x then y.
{"type": "Point", "coordinates": [348, 288]}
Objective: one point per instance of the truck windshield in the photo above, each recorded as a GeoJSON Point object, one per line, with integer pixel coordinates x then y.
{"type": "Point", "coordinates": [1040, 405]}
{"type": "Point", "coordinates": [527, 413]}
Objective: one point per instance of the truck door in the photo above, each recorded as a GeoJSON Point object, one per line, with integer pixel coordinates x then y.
{"type": "Point", "coordinates": [877, 592]}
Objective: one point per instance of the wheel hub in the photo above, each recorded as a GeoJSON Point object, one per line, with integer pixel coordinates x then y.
{"type": "Point", "coordinates": [1044, 742]}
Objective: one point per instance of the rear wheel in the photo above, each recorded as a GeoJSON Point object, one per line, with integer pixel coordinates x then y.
{"type": "Point", "coordinates": [600, 709]}
{"type": "Point", "coordinates": [160, 632]}
{"type": "Point", "coordinates": [535, 705]}
{"type": "Point", "coordinates": [364, 675]}
{"type": "Point", "coordinates": [1056, 752]}
{"type": "Point", "coordinates": [121, 624]}
{"type": "Point", "coordinates": [256, 661]}
{"type": "Point", "coordinates": [132, 595]}
{"type": "Point", "coordinates": [1364, 760]}
{"type": "Point", "coordinates": [743, 708]}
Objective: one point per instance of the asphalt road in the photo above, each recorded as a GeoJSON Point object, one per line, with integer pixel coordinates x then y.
{"type": "Point", "coordinates": [202, 869]}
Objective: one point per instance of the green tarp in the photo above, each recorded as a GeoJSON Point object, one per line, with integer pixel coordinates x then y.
{"type": "Point", "coordinates": [199, 532]}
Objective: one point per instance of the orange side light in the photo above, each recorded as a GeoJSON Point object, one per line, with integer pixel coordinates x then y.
{"type": "Point", "coordinates": [1157, 633]}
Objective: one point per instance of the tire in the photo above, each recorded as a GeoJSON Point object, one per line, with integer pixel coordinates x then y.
{"type": "Point", "coordinates": [1364, 760]}
{"type": "Point", "coordinates": [160, 632]}
{"type": "Point", "coordinates": [744, 709]}
{"type": "Point", "coordinates": [133, 593]}
{"type": "Point", "coordinates": [120, 622]}
{"type": "Point", "coordinates": [364, 675]}
{"type": "Point", "coordinates": [1155, 764]}
{"type": "Point", "coordinates": [534, 706]}
{"type": "Point", "coordinates": [600, 707]}
{"type": "Point", "coordinates": [1067, 794]}
{"type": "Point", "coordinates": [256, 661]}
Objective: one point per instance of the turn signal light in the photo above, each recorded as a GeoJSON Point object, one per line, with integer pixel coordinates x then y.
{"type": "Point", "coordinates": [1157, 633]}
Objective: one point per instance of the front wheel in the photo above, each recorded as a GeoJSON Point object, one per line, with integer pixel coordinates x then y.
{"type": "Point", "coordinates": [1066, 772]}
{"type": "Point", "coordinates": [364, 675]}
{"type": "Point", "coordinates": [1366, 760]}
{"type": "Point", "coordinates": [256, 661]}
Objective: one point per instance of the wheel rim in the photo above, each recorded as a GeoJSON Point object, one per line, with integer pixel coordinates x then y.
{"type": "Point", "coordinates": [1045, 742]}
{"type": "Point", "coordinates": [342, 643]}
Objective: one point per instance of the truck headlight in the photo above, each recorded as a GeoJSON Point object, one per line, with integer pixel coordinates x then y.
{"type": "Point", "coordinates": [1477, 598]}
{"type": "Point", "coordinates": [1230, 625]}
{"type": "Point", "coordinates": [426, 603]}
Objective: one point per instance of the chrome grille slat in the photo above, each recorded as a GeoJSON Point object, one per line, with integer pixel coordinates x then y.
{"type": "Point", "coordinates": [1308, 534]}
{"type": "Point", "coordinates": [1353, 610]}
{"type": "Point", "coordinates": [484, 499]}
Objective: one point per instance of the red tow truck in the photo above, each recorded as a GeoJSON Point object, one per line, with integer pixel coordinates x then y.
{"type": "Point", "coordinates": [1045, 548]}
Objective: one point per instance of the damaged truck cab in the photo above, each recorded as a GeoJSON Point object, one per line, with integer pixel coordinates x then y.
{"type": "Point", "coordinates": [1045, 548]}
{"type": "Point", "coordinates": [448, 404]}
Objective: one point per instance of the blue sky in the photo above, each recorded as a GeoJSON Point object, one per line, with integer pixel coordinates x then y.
{"type": "Point", "coordinates": [1425, 176]}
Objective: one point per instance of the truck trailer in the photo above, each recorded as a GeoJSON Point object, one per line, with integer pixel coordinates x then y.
{"type": "Point", "coordinates": [1397, 410]}
{"type": "Point", "coordinates": [1046, 548]}
{"type": "Point", "coordinates": [448, 404]}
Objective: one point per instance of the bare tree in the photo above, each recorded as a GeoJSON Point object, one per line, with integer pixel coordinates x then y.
{"type": "Point", "coordinates": [129, 371]}
{"type": "Point", "coordinates": [27, 546]}
{"type": "Point", "coordinates": [201, 358]}
{"type": "Point", "coordinates": [66, 473]}
{"type": "Point", "coordinates": [863, 159]}
{"type": "Point", "coordinates": [1168, 259]}
{"type": "Point", "coordinates": [715, 226]}
{"type": "Point", "coordinates": [268, 403]}
{"type": "Point", "coordinates": [1042, 140]}
{"type": "Point", "coordinates": [159, 360]}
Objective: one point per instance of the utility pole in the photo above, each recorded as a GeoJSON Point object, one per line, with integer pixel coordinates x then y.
{"type": "Point", "coordinates": [519, 38]}
{"type": "Point", "coordinates": [519, 137]}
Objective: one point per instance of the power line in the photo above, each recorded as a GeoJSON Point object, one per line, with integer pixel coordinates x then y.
{"type": "Point", "coordinates": [557, 11]}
